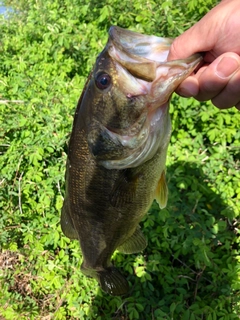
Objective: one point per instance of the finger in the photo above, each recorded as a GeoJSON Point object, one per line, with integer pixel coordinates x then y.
{"type": "Point", "coordinates": [190, 86]}
{"type": "Point", "coordinates": [198, 43]}
{"type": "Point", "coordinates": [214, 34]}
{"type": "Point", "coordinates": [199, 38]}
{"type": "Point", "coordinates": [216, 76]}
{"type": "Point", "coordinates": [230, 95]}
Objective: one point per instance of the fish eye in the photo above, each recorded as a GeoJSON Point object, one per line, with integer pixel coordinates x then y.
{"type": "Point", "coordinates": [103, 81]}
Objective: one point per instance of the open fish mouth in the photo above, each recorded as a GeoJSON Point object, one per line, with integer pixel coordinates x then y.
{"type": "Point", "coordinates": [144, 59]}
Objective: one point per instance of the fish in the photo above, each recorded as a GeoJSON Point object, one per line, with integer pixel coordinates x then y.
{"type": "Point", "coordinates": [117, 150]}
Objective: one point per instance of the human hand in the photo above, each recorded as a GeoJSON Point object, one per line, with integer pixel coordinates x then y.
{"type": "Point", "coordinates": [217, 36]}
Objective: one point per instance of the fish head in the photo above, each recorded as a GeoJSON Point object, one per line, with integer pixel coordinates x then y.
{"type": "Point", "coordinates": [126, 100]}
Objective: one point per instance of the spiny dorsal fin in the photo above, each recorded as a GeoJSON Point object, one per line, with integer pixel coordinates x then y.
{"type": "Point", "coordinates": [162, 191]}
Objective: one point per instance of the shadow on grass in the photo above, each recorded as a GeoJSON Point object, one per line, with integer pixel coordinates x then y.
{"type": "Point", "coordinates": [189, 269]}
{"type": "Point", "coordinates": [187, 272]}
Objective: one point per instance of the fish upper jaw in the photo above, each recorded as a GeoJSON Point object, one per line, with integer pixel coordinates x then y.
{"type": "Point", "coordinates": [137, 53]}
{"type": "Point", "coordinates": [141, 63]}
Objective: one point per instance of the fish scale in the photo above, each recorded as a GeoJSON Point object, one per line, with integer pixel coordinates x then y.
{"type": "Point", "coordinates": [117, 150]}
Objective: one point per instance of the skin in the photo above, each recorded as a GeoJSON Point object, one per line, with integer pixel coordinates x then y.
{"type": "Point", "coordinates": [216, 35]}
{"type": "Point", "coordinates": [106, 195]}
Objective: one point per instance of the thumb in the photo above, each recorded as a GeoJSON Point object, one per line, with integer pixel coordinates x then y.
{"type": "Point", "coordinates": [210, 34]}
{"type": "Point", "coordinates": [194, 40]}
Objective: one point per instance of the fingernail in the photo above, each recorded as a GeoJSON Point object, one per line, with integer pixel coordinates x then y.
{"type": "Point", "coordinates": [187, 90]}
{"type": "Point", "coordinates": [226, 67]}
{"type": "Point", "coordinates": [183, 93]}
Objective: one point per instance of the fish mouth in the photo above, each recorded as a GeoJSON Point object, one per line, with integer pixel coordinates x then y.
{"type": "Point", "coordinates": [144, 59]}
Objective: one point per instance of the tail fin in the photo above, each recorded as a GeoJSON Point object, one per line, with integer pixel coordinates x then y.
{"type": "Point", "coordinates": [112, 282]}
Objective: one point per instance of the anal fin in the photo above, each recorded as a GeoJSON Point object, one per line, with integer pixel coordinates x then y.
{"type": "Point", "coordinates": [136, 243]}
{"type": "Point", "coordinates": [161, 195]}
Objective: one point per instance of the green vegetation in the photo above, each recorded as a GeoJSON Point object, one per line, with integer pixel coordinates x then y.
{"type": "Point", "coordinates": [191, 267]}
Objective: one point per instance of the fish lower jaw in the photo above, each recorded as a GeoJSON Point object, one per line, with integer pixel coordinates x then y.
{"type": "Point", "coordinates": [158, 108]}
{"type": "Point", "coordinates": [140, 156]}
{"type": "Point", "coordinates": [128, 141]}
{"type": "Point", "coordinates": [156, 136]}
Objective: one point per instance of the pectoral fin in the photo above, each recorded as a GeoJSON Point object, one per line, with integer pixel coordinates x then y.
{"type": "Point", "coordinates": [67, 224]}
{"type": "Point", "coordinates": [162, 191]}
{"type": "Point", "coordinates": [134, 244]}
{"type": "Point", "coordinates": [124, 190]}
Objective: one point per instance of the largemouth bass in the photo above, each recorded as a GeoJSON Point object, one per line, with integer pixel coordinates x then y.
{"type": "Point", "coordinates": [117, 150]}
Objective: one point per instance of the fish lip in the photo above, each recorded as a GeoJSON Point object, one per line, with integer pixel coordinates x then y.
{"type": "Point", "coordinates": [128, 40]}
{"type": "Point", "coordinates": [131, 142]}
{"type": "Point", "coordinates": [117, 36]}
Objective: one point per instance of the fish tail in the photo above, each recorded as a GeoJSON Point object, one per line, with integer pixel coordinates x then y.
{"type": "Point", "coordinates": [113, 282]}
